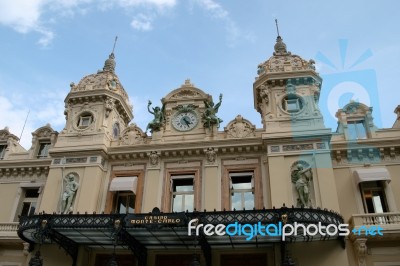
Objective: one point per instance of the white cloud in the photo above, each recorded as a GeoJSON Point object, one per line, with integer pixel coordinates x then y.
{"type": "Point", "coordinates": [33, 15]}
{"type": "Point", "coordinates": [46, 38]}
{"type": "Point", "coordinates": [27, 16]}
{"type": "Point", "coordinates": [14, 118]}
{"type": "Point", "coordinates": [214, 8]}
{"type": "Point", "coordinates": [21, 15]}
{"type": "Point", "coordinates": [217, 11]}
{"type": "Point", "coordinates": [142, 22]}
{"type": "Point", "coordinates": [155, 3]}
{"type": "Point", "coordinates": [43, 108]}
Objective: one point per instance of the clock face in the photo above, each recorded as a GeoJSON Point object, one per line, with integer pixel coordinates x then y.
{"type": "Point", "coordinates": [185, 121]}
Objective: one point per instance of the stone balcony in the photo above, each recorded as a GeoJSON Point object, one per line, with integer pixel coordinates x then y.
{"type": "Point", "coordinates": [8, 232]}
{"type": "Point", "coordinates": [389, 223]}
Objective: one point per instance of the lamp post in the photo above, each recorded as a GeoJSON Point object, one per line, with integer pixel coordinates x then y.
{"type": "Point", "coordinates": [113, 260]}
{"type": "Point", "coordinates": [195, 260]}
{"type": "Point", "coordinates": [36, 260]}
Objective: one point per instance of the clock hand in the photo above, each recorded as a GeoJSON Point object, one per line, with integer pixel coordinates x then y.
{"type": "Point", "coordinates": [187, 122]}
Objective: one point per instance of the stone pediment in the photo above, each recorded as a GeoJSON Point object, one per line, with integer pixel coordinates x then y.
{"type": "Point", "coordinates": [133, 135]}
{"type": "Point", "coordinates": [5, 134]}
{"type": "Point", "coordinates": [356, 108]}
{"type": "Point", "coordinates": [240, 128]}
{"type": "Point", "coordinates": [44, 132]}
{"type": "Point", "coordinates": [186, 92]}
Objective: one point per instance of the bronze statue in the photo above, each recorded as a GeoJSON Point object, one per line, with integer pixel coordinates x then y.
{"type": "Point", "coordinates": [158, 121]}
{"type": "Point", "coordinates": [209, 116]}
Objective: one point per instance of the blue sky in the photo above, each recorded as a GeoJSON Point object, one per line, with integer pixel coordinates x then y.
{"type": "Point", "coordinates": [46, 45]}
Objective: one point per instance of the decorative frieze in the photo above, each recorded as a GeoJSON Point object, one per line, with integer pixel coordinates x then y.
{"type": "Point", "coordinates": [321, 146]}
{"type": "Point", "coordinates": [298, 147]}
{"type": "Point", "coordinates": [76, 160]}
{"type": "Point", "coordinates": [275, 149]}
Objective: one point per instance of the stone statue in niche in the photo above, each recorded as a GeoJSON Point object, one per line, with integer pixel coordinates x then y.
{"type": "Point", "coordinates": [68, 196]}
{"type": "Point", "coordinates": [301, 177]}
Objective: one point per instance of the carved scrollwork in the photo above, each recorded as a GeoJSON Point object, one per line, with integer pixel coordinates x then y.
{"type": "Point", "coordinates": [185, 93]}
{"type": "Point", "coordinates": [133, 135]}
{"type": "Point", "coordinates": [240, 128]}
{"type": "Point", "coordinates": [109, 105]}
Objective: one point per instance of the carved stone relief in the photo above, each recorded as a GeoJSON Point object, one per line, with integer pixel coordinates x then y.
{"type": "Point", "coordinates": [132, 135]}
{"type": "Point", "coordinates": [360, 247]}
{"type": "Point", "coordinates": [154, 158]}
{"type": "Point", "coordinates": [211, 155]}
{"type": "Point", "coordinates": [185, 93]}
{"type": "Point", "coordinates": [240, 128]}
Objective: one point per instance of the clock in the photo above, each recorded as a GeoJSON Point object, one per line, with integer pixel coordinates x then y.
{"type": "Point", "coordinates": [185, 121]}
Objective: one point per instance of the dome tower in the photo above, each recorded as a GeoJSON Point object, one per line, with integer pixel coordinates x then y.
{"type": "Point", "coordinates": [98, 104]}
{"type": "Point", "coordinates": [286, 92]}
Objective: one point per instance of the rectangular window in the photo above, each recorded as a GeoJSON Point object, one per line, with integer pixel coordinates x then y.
{"type": "Point", "coordinates": [242, 191]}
{"type": "Point", "coordinates": [356, 130]}
{"type": "Point", "coordinates": [292, 105]}
{"type": "Point", "coordinates": [29, 202]}
{"type": "Point", "coordinates": [43, 150]}
{"type": "Point", "coordinates": [373, 196]}
{"type": "Point", "coordinates": [2, 151]}
{"type": "Point", "coordinates": [125, 202]}
{"type": "Point", "coordinates": [85, 121]}
{"type": "Point", "coordinates": [182, 192]}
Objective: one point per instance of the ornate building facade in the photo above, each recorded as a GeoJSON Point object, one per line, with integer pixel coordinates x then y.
{"type": "Point", "coordinates": [103, 191]}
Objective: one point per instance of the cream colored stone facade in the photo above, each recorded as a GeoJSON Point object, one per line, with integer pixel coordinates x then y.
{"type": "Point", "coordinates": [356, 177]}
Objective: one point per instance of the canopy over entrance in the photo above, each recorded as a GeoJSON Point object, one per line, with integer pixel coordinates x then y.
{"type": "Point", "coordinates": [157, 230]}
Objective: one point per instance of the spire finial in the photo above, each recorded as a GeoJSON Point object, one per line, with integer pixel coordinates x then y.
{"type": "Point", "coordinates": [280, 46]}
{"type": "Point", "coordinates": [277, 27]}
{"type": "Point", "coordinates": [115, 42]}
{"type": "Point", "coordinates": [109, 65]}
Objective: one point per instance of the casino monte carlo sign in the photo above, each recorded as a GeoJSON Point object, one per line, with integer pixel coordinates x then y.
{"type": "Point", "coordinates": [176, 219]}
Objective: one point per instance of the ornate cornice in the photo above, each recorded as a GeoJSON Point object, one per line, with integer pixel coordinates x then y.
{"type": "Point", "coordinates": [23, 170]}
